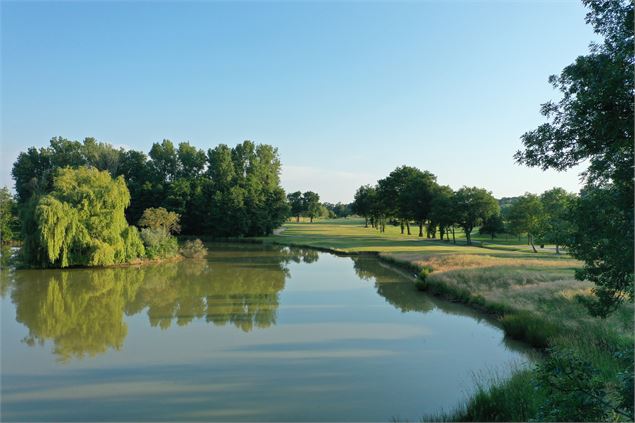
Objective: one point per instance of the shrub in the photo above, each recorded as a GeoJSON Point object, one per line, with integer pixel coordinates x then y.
{"type": "Point", "coordinates": [159, 243]}
{"type": "Point", "coordinates": [194, 249]}
{"type": "Point", "coordinates": [576, 391]}
{"type": "Point", "coordinates": [422, 282]}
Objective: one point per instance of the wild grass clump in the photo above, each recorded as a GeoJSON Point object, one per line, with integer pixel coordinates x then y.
{"type": "Point", "coordinates": [194, 249]}
{"type": "Point", "coordinates": [528, 327]}
{"type": "Point", "coordinates": [511, 400]}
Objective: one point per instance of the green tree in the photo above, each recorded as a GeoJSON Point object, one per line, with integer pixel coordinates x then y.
{"type": "Point", "coordinates": [594, 122]}
{"type": "Point", "coordinates": [396, 193]}
{"type": "Point", "coordinates": [601, 224]}
{"type": "Point", "coordinates": [442, 211]}
{"type": "Point", "coordinates": [558, 223]}
{"type": "Point", "coordinates": [311, 202]}
{"type": "Point", "coordinates": [8, 216]}
{"type": "Point", "coordinates": [81, 221]}
{"type": "Point", "coordinates": [526, 215]}
{"type": "Point", "coordinates": [472, 206]}
{"type": "Point", "coordinates": [493, 225]}
{"type": "Point", "coordinates": [160, 218]}
{"type": "Point", "coordinates": [164, 160]}
{"type": "Point", "coordinates": [191, 161]}
{"type": "Point", "coordinates": [363, 202]}
{"type": "Point", "coordinates": [296, 203]}
{"type": "Point", "coordinates": [102, 155]}
{"type": "Point", "coordinates": [417, 197]}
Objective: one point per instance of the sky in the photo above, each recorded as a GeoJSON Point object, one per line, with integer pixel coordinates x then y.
{"type": "Point", "coordinates": [347, 91]}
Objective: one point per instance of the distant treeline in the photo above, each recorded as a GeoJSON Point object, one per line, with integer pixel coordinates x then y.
{"type": "Point", "coordinates": [219, 192]}
{"type": "Point", "coordinates": [308, 205]}
{"type": "Point", "coordinates": [409, 195]}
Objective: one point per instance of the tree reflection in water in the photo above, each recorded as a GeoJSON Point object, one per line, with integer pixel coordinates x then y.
{"type": "Point", "coordinates": [82, 311]}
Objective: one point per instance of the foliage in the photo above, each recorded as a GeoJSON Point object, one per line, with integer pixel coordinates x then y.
{"type": "Point", "coordinates": [81, 221]}
{"type": "Point", "coordinates": [159, 244]}
{"type": "Point", "coordinates": [365, 198]}
{"type": "Point", "coordinates": [339, 210]}
{"type": "Point", "coordinates": [557, 224]}
{"type": "Point", "coordinates": [9, 222]}
{"type": "Point", "coordinates": [471, 207]}
{"type": "Point", "coordinates": [311, 202]}
{"type": "Point", "coordinates": [493, 225]}
{"type": "Point", "coordinates": [296, 203]}
{"type": "Point", "coordinates": [576, 391]}
{"type": "Point", "coordinates": [601, 228]}
{"type": "Point", "coordinates": [224, 192]}
{"type": "Point", "coordinates": [160, 218]}
{"type": "Point", "coordinates": [594, 121]}
{"type": "Point", "coordinates": [526, 215]}
{"type": "Point", "coordinates": [194, 249]}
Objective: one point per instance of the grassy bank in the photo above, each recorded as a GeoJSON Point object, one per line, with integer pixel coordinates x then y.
{"type": "Point", "coordinates": [534, 295]}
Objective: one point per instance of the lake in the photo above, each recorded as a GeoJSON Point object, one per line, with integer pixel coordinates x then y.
{"type": "Point", "coordinates": [252, 332]}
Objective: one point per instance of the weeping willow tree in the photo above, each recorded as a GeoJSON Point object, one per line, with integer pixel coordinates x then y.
{"type": "Point", "coordinates": [81, 221]}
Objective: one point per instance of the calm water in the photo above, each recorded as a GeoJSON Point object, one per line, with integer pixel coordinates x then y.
{"type": "Point", "coordinates": [250, 333]}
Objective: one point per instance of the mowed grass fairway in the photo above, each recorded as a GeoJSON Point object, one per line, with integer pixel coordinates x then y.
{"type": "Point", "coordinates": [501, 274]}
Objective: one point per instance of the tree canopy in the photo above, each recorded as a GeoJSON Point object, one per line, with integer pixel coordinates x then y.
{"type": "Point", "coordinates": [222, 192]}
{"type": "Point", "coordinates": [81, 221]}
{"type": "Point", "coordinates": [594, 122]}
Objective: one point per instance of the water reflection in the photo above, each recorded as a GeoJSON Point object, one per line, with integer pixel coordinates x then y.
{"type": "Point", "coordinates": [398, 291]}
{"type": "Point", "coordinates": [82, 311]}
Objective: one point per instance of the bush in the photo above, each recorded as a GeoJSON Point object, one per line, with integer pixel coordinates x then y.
{"type": "Point", "coordinates": [194, 249]}
{"type": "Point", "coordinates": [159, 243]}
{"type": "Point", "coordinates": [421, 282]}
{"type": "Point", "coordinates": [576, 391]}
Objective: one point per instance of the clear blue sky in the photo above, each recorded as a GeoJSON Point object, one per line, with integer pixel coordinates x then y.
{"type": "Point", "coordinates": [347, 91]}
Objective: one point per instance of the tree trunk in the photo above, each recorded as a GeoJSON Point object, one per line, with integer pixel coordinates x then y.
{"type": "Point", "coordinates": [366, 217]}
{"type": "Point", "coordinates": [297, 219]}
{"type": "Point", "coordinates": [311, 219]}
{"type": "Point", "coordinates": [408, 226]}
{"type": "Point", "coordinates": [468, 237]}
{"type": "Point", "coordinates": [557, 249]}
{"type": "Point", "coordinates": [453, 236]}
{"type": "Point", "coordinates": [531, 241]}
{"type": "Point", "coordinates": [420, 228]}
{"type": "Point", "coordinates": [402, 227]}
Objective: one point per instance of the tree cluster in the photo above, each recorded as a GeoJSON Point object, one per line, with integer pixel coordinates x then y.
{"type": "Point", "coordinates": [305, 204]}
{"type": "Point", "coordinates": [409, 195]}
{"type": "Point", "coordinates": [222, 192]}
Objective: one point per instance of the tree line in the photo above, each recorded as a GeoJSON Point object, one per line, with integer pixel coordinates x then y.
{"type": "Point", "coordinates": [78, 202]}
{"type": "Point", "coordinates": [222, 192]}
{"type": "Point", "coordinates": [409, 195]}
